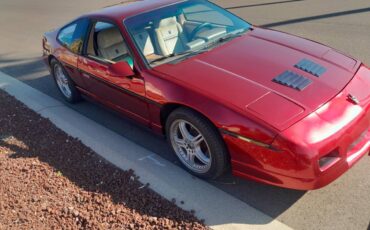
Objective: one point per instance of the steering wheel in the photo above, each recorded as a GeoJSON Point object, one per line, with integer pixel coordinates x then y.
{"type": "Point", "coordinates": [199, 28]}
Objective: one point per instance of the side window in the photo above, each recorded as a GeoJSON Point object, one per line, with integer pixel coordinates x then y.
{"type": "Point", "coordinates": [106, 42]}
{"type": "Point", "coordinates": [66, 35]}
{"type": "Point", "coordinates": [202, 13]}
{"type": "Point", "coordinates": [73, 35]}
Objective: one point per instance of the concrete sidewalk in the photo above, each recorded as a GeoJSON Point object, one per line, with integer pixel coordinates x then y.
{"type": "Point", "coordinates": [220, 210]}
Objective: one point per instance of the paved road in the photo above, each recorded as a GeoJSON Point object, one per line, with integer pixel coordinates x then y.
{"type": "Point", "coordinates": [345, 204]}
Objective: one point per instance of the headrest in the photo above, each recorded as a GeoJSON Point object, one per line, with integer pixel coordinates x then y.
{"type": "Point", "coordinates": [168, 21]}
{"type": "Point", "coordinates": [144, 41]}
{"type": "Point", "coordinates": [109, 37]}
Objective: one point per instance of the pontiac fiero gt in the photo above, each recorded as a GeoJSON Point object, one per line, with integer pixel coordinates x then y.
{"type": "Point", "coordinates": [270, 106]}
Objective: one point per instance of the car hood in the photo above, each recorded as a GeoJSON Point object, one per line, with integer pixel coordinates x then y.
{"type": "Point", "coordinates": [240, 74]}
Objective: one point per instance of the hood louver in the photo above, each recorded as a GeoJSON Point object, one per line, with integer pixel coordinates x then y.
{"type": "Point", "coordinates": [293, 80]}
{"type": "Point", "coordinates": [311, 67]}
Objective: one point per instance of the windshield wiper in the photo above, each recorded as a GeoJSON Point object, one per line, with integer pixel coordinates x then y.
{"type": "Point", "coordinates": [192, 52]}
{"type": "Point", "coordinates": [162, 58]}
{"type": "Point", "coordinates": [228, 37]}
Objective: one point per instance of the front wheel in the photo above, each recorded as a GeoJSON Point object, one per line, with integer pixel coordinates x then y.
{"type": "Point", "coordinates": [197, 143]}
{"type": "Point", "coordinates": [64, 83]}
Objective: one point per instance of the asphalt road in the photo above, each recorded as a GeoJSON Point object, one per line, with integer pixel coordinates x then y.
{"type": "Point", "coordinates": [345, 25]}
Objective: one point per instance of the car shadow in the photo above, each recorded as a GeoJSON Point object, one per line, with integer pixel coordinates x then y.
{"type": "Point", "coordinates": [317, 17]}
{"type": "Point", "coordinates": [269, 199]}
{"type": "Point", "coordinates": [261, 4]}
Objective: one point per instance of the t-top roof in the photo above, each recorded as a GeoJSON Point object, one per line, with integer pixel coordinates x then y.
{"type": "Point", "coordinates": [129, 8]}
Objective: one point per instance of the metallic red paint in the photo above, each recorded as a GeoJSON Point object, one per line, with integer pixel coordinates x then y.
{"type": "Point", "coordinates": [240, 73]}
{"type": "Point", "coordinates": [232, 86]}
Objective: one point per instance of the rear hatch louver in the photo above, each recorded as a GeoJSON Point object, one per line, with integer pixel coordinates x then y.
{"type": "Point", "coordinates": [310, 67]}
{"type": "Point", "coordinates": [293, 80]}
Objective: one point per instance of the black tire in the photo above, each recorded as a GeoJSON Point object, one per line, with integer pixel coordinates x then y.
{"type": "Point", "coordinates": [217, 148]}
{"type": "Point", "coordinates": [75, 95]}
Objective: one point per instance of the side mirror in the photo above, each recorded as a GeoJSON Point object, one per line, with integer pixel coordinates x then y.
{"type": "Point", "coordinates": [121, 69]}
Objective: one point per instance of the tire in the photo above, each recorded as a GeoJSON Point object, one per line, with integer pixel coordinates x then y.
{"type": "Point", "coordinates": [64, 83]}
{"type": "Point", "coordinates": [207, 159]}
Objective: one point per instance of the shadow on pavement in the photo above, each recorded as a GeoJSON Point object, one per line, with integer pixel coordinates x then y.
{"type": "Point", "coordinates": [261, 4]}
{"type": "Point", "coordinates": [318, 17]}
{"type": "Point", "coordinates": [269, 199]}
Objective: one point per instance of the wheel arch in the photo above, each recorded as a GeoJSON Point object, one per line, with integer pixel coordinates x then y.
{"type": "Point", "coordinates": [168, 108]}
{"type": "Point", "coordinates": [51, 57]}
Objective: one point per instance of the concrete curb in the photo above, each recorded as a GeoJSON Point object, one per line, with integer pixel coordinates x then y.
{"type": "Point", "coordinates": [219, 209]}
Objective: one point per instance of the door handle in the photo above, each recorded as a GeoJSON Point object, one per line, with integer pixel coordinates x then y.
{"type": "Point", "coordinates": [136, 80]}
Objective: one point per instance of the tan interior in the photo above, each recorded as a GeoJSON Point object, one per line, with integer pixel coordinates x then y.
{"type": "Point", "coordinates": [111, 45]}
{"type": "Point", "coordinates": [170, 36]}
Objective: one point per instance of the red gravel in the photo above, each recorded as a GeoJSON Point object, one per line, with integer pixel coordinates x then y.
{"type": "Point", "coordinates": [49, 180]}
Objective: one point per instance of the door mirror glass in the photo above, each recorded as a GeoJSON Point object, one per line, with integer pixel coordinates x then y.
{"type": "Point", "coordinates": [121, 69]}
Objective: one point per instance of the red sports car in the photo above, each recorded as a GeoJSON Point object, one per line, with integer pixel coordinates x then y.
{"type": "Point", "coordinates": [273, 107]}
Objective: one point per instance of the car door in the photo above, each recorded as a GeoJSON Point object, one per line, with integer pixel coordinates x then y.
{"type": "Point", "coordinates": [71, 37]}
{"type": "Point", "coordinates": [105, 46]}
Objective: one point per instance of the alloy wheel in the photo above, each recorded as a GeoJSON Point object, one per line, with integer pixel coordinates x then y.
{"type": "Point", "coordinates": [190, 146]}
{"type": "Point", "coordinates": [62, 81]}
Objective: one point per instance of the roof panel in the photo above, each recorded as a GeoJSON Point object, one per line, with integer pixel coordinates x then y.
{"type": "Point", "coordinates": [129, 8]}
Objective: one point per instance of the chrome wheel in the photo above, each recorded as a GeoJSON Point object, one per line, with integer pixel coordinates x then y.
{"type": "Point", "coordinates": [62, 81]}
{"type": "Point", "coordinates": [190, 146]}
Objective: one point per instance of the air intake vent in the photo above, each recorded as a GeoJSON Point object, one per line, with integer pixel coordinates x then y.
{"type": "Point", "coordinates": [311, 67]}
{"type": "Point", "coordinates": [292, 80]}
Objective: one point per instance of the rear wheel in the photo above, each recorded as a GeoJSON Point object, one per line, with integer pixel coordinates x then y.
{"type": "Point", "coordinates": [64, 83]}
{"type": "Point", "coordinates": [197, 143]}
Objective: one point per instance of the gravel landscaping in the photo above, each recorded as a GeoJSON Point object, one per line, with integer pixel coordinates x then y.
{"type": "Point", "coordinates": [49, 180]}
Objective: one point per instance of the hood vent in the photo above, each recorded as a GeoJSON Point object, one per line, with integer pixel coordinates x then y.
{"type": "Point", "coordinates": [311, 67]}
{"type": "Point", "coordinates": [292, 80]}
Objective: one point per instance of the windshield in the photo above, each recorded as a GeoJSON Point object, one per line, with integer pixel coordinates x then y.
{"type": "Point", "coordinates": [181, 30]}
